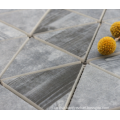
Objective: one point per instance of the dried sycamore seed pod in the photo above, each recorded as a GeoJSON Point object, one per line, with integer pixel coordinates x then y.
{"type": "Point", "coordinates": [106, 45]}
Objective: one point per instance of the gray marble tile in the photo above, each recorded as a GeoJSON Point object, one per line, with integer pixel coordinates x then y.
{"type": "Point", "coordinates": [7, 32]}
{"type": "Point", "coordinates": [25, 19]}
{"type": "Point", "coordinates": [96, 90]}
{"type": "Point", "coordinates": [95, 13]}
{"type": "Point", "coordinates": [7, 10]}
{"type": "Point", "coordinates": [111, 14]}
{"type": "Point", "coordinates": [103, 32]}
{"type": "Point", "coordinates": [59, 104]}
{"type": "Point", "coordinates": [36, 55]}
{"type": "Point", "coordinates": [9, 101]}
{"type": "Point", "coordinates": [7, 49]}
{"type": "Point", "coordinates": [75, 40]}
{"type": "Point", "coordinates": [111, 21]}
{"type": "Point", "coordinates": [46, 88]}
{"type": "Point", "coordinates": [58, 18]}
{"type": "Point", "coordinates": [111, 64]}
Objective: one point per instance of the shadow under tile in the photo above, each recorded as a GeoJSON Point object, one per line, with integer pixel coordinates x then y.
{"type": "Point", "coordinates": [59, 18]}
{"type": "Point", "coordinates": [95, 13]}
{"type": "Point", "coordinates": [75, 40]}
{"type": "Point", "coordinates": [96, 90]}
{"type": "Point", "coordinates": [36, 55]}
{"type": "Point", "coordinates": [7, 49]}
{"type": "Point", "coordinates": [47, 88]}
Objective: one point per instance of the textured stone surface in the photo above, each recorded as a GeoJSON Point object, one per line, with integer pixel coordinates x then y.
{"type": "Point", "coordinates": [111, 14]}
{"type": "Point", "coordinates": [9, 101]}
{"type": "Point", "coordinates": [36, 55]}
{"type": "Point", "coordinates": [103, 32]}
{"type": "Point", "coordinates": [7, 49]}
{"type": "Point", "coordinates": [25, 19]}
{"type": "Point", "coordinates": [111, 64]}
{"type": "Point", "coordinates": [46, 88]}
{"type": "Point", "coordinates": [7, 32]}
{"type": "Point", "coordinates": [58, 18]}
{"type": "Point", "coordinates": [7, 10]}
{"type": "Point", "coordinates": [95, 13]}
{"type": "Point", "coordinates": [111, 21]}
{"type": "Point", "coordinates": [75, 40]}
{"type": "Point", "coordinates": [59, 104]}
{"type": "Point", "coordinates": [96, 90]}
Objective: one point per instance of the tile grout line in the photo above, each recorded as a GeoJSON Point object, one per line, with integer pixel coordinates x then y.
{"type": "Point", "coordinates": [11, 12]}
{"type": "Point", "coordinates": [64, 28]}
{"type": "Point", "coordinates": [94, 36]}
{"type": "Point", "coordinates": [41, 19]}
{"type": "Point", "coordinates": [106, 23]}
{"type": "Point", "coordinates": [92, 59]}
{"type": "Point", "coordinates": [103, 13]}
{"type": "Point", "coordinates": [13, 38]}
{"type": "Point", "coordinates": [56, 47]}
{"type": "Point", "coordinates": [117, 76]}
{"type": "Point", "coordinates": [22, 96]}
{"type": "Point", "coordinates": [43, 70]}
{"type": "Point", "coordinates": [74, 87]}
{"type": "Point", "coordinates": [81, 14]}
{"type": "Point", "coordinates": [14, 56]}
{"type": "Point", "coordinates": [92, 41]}
{"type": "Point", "coordinates": [111, 18]}
{"type": "Point", "coordinates": [14, 27]}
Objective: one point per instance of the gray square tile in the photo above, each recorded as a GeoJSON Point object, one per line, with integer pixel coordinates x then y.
{"type": "Point", "coordinates": [111, 14]}
{"type": "Point", "coordinates": [75, 40]}
{"type": "Point", "coordinates": [9, 101]}
{"type": "Point", "coordinates": [46, 88]}
{"type": "Point", "coordinates": [7, 49]}
{"type": "Point", "coordinates": [95, 13]}
{"type": "Point", "coordinates": [7, 32]}
{"type": "Point", "coordinates": [58, 18]}
{"type": "Point", "coordinates": [103, 32]}
{"type": "Point", "coordinates": [36, 55]}
{"type": "Point", "coordinates": [24, 19]}
{"type": "Point", "coordinates": [96, 90]}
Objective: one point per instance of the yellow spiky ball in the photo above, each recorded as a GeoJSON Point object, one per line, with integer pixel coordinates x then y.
{"type": "Point", "coordinates": [115, 29]}
{"type": "Point", "coordinates": [106, 45]}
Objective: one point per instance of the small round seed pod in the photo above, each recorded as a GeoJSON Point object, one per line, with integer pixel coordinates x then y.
{"type": "Point", "coordinates": [106, 45]}
{"type": "Point", "coordinates": [115, 29]}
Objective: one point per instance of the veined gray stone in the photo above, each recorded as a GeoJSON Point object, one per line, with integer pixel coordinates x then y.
{"type": "Point", "coordinates": [96, 90]}
{"type": "Point", "coordinates": [24, 19]}
{"type": "Point", "coordinates": [46, 88]}
{"type": "Point", "coordinates": [9, 101]}
{"type": "Point", "coordinates": [36, 55]}
{"type": "Point", "coordinates": [111, 14]}
{"type": "Point", "coordinates": [75, 40]}
{"type": "Point", "coordinates": [58, 18]}
{"type": "Point", "coordinates": [7, 49]}
{"type": "Point", "coordinates": [95, 13]}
